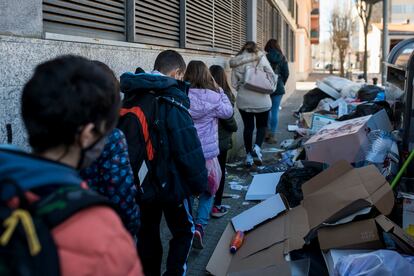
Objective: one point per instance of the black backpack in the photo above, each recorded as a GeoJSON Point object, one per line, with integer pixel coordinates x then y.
{"type": "Point", "coordinates": [27, 247]}
{"type": "Point", "coordinates": [145, 134]}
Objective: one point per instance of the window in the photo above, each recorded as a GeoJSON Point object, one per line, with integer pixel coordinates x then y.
{"type": "Point", "coordinates": [157, 22]}
{"type": "Point", "coordinates": [96, 19]}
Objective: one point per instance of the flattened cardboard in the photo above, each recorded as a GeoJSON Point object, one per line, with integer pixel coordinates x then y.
{"type": "Point", "coordinates": [354, 235]}
{"type": "Point", "coordinates": [408, 210]}
{"type": "Point", "coordinates": [344, 140]}
{"type": "Point", "coordinates": [258, 214]}
{"type": "Point", "coordinates": [332, 195]}
{"type": "Point", "coordinates": [263, 186]}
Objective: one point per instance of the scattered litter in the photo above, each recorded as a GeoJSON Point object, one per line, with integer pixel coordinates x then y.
{"type": "Point", "coordinates": [287, 143]}
{"type": "Point", "coordinates": [234, 165]}
{"type": "Point", "coordinates": [233, 183]}
{"type": "Point", "coordinates": [245, 203]}
{"type": "Point", "coordinates": [238, 187]}
{"type": "Point", "coordinates": [226, 206]}
{"type": "Point", "coordinates": [239, 169]}
{"type": "Point", "coordinates": [271, 150]}
{"type": "Point", "coordinates": [253, 173]}
{"type": "Point", "coordinates": [263, 186]}
{"type": "Point", "coordinates": [292, 128]}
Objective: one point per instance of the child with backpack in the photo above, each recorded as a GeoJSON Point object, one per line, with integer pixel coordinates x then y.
{"type": "Point", "coordinates": [111, 174]}
{"type": "Point", "coordinates": [208, 104]}
{"type": "Point", "coordinates": [166, 158]}
{"type": "Point", "coordinates": [51, 224]}
{"type": "Point", "coordinates": [226, 129]}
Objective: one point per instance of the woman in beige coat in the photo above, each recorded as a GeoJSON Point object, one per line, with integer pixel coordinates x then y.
{"type": "Point", "coordinates": [252, 105]}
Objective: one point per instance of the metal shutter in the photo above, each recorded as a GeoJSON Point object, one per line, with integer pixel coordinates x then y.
{"type": "Point", "coordinates": [239, 24]}
{"type": "Point", "coordinates": [157, 22]}
{"type": "Point", "coordinates": [199, 31]}
{"type": "Point", "coordinates": [91, 18]}
{"type": "Point", "coordinates": [223, 22]}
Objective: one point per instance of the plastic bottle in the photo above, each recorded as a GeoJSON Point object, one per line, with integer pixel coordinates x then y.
{"type": "Point", "coordinates": [236, 242]}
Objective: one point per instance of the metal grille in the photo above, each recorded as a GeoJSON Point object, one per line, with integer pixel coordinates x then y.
{"type": "Point", "coordinates": [157, 22]}
{"type": "Point", "coordinates": [239, 24]}
{"type": "Point", "coordinates": [91, 18]}
{"type": "Point", "coordinates": [199, 15]}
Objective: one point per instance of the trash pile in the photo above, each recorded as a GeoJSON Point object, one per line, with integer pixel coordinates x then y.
{"type": "Point", "coordinates": [332, 202]}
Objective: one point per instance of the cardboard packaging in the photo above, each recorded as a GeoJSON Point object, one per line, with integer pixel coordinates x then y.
{"type": "Point", "coordinates": [263, 186]}
{"type": "Point", "coordinates": [345, 140]}
{"type": "Point", "coordinates": [332, 195]}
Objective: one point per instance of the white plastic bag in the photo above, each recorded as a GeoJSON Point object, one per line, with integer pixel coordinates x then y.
{"type": "Point", "coordinates": [380, 262]}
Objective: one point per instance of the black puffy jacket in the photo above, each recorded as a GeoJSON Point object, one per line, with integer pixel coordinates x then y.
{"type": "Point", "coordinates": [186, 169]}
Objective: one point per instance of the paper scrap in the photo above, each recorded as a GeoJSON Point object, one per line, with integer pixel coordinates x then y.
{"type": "Point", "coordinates": [292, 127]}
{"type": "Point", "coordinates": [245, 203]}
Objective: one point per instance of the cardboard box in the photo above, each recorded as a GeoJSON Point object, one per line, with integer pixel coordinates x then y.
{"type": "Point", "coordinates": [263, 186]}
{"type": "Point", "coordinates": [355, 235]}
{"type": "Point", "coordinates": [345, 140]}
{"type": "Point", "coordinates": [332, 195]}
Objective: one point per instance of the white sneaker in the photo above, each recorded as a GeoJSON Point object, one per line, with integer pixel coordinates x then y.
{"type": "Point", "coordinates": [249, 160]}
{"type": "Point", "coordinates": [257, 155]}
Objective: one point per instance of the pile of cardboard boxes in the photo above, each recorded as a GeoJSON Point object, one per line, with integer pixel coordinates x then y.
{"type": "Point", "coordinates": [343, 208]}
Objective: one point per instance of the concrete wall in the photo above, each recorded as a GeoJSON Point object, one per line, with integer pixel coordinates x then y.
{"type": "Point", "coordinates": [19, 56]}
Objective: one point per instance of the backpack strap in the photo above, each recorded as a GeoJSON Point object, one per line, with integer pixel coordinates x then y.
{"type": "Point", "coordinates": [65, 202]}
{"type": "Point", "coordinates": [137, 111]}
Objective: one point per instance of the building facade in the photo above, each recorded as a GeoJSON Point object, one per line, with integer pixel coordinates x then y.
{"type": "Point", "coordinates": [402, 11]}
{"type": "Point", "coordinates": [129, 33]}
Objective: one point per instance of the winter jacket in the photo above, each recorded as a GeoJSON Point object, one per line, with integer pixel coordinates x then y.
{"type": "Point", "coordinates": [92, 241]}
{"type": "Point", "coordinates": [281, 68]}
{"type": "Point", "coordinates": [181, 149]}
{"type": "Point", "coordinates": [111, 176]}
{"type": "Point", "coordinates": [226, 129]}
{"type": "Point", "coordinates": [248, 100]}
{"type": "Point", "coordinates": [206, 107]}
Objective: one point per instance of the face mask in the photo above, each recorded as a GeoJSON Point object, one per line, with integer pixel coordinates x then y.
{"type": "Point", "coordinates": [91, 153]}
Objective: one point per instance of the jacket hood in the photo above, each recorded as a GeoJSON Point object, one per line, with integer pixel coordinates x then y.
{"type": "Point", "coordinates": [244, 58]}
{"type": "Point", "coordinates": [29, 171]}
{"type": "Point", "coordinates": [162, 85]}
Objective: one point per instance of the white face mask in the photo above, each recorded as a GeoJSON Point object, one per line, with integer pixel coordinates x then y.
{"type": "Point", "coordinates": [91, 153]}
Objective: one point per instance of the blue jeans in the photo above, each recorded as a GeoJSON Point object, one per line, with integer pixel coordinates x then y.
{"type": "Point", "coordinates": [205, 203]}
{"type": "Point", "coordinates": [274, 113]}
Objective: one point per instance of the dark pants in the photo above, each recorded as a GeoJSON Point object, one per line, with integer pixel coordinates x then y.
{"type": "Point", "coordinates": [261, 125]}
{"type": "Point", "coordinates": [180, 223]}
{"type": "Point", "coordinates": [222, 158]}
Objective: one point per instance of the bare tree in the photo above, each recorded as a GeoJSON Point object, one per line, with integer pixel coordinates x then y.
{"type": "Point", "coordinates": [333, 50]}
{"type": "Point", "coordinates": [341, 26]}
{"type": "Point", "coordinates": [364, 8]}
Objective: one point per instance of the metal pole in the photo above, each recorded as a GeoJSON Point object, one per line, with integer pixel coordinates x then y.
{"type": "Point", "coordinates": [384, 40]}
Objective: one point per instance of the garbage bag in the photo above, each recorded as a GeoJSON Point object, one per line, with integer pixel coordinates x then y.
{"type": "Point", "coordinates": [290, 184]}
{"type": "Point", "coordinates": [380, 262]}
{"type": "Point", "coordinates": [325, 104]}
{"type": "Point", "coordinates": [351, 90]}
{"type": "Point", "coordinates": [393, 93]}
{"type": "Point", "coordinates": [369, 109]}
{"type": "Point", "coordinates": [311, 100]}
{"type": "Point", "coordinates": [337, 83]}
{"type": "Point", "coordinates": [369, 92]}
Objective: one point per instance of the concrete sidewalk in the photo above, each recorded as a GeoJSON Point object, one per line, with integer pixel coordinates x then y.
{"type": "Point", "coordinates": [198, 259]}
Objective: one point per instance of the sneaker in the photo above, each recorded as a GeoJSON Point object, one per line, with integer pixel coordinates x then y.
{"type": "Point", "coordinates": [218, 211]}
{"type": "Point", "coordinates": [249, 160]}
{"type": "Point", "coordinates": [257, 155]}
{"type": "Point", "coordinates": [198, 237]}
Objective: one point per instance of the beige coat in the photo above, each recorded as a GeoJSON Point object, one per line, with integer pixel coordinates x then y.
{"type": "Point", "coordinates": [248, 100]}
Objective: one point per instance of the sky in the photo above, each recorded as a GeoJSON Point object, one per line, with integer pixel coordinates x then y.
{"type": "Point", "coordinates": [325, 9]}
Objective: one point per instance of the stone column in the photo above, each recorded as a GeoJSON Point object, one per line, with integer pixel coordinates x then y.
{"type": "Point", "coordinates": [252, 20]}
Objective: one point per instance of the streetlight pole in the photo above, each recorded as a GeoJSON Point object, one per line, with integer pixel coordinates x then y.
{"type": "Point", "coordinates": [384, 39]}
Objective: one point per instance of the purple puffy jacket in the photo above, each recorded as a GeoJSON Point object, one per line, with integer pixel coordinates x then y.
{"type": "Point", "coordinates": [206, 107]}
